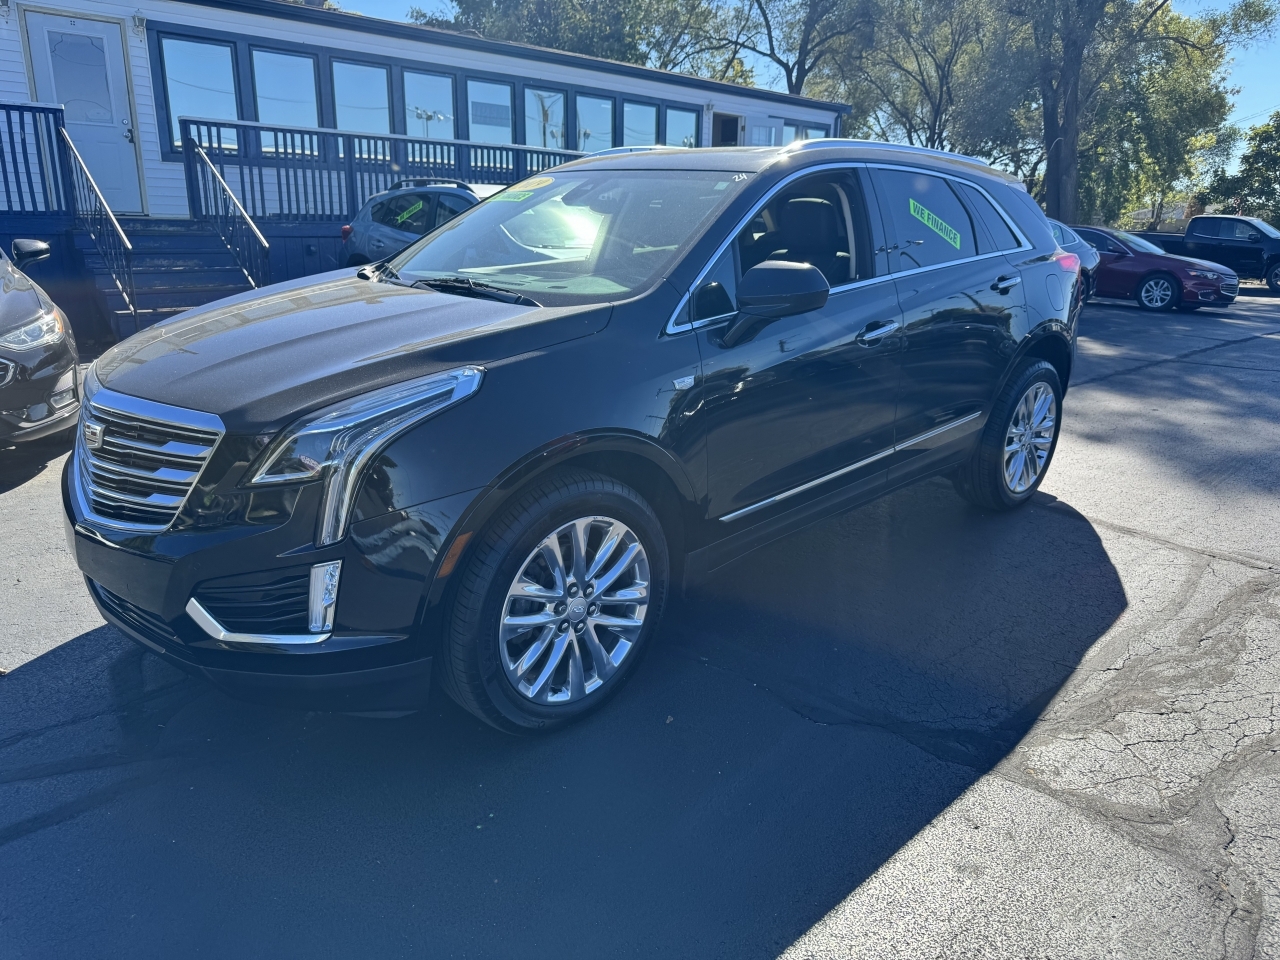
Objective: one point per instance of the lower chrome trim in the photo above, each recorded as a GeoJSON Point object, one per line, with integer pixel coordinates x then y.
{"type": "Point", "coordinates": [854, 466]}
{"type": "Point", "coordinates": [936, 430]}
{"type": "Point", "coordinates": [206, 622]}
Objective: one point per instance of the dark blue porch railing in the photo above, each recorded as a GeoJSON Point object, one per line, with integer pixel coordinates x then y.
{"type": "Point", "coordinates": [307, 174]}
{"type": "Point", "coordinates": [95, 218]}
{"type": "Point", "coordinates": [219, 208]}
{"type": "Point", "coordinates": [35, 177]}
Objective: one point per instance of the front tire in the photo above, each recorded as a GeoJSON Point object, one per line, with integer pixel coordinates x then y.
{"type": "Point", "coordinates": [1158, 292]}
{"type": "Point", "coordinates": [557, 604]}
{"type": "Point", "coordinates": [1018, 442]}
{"type": "Point", "coordinates": [1273, 278]}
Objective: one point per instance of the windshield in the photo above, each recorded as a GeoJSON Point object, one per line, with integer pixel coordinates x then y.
{"type": "Point", "coordinates": [1265, 227]}
{"type": "Point", "coordinates": [1137, 243]}
{"type": "Point", "coordinates": [586, 236]}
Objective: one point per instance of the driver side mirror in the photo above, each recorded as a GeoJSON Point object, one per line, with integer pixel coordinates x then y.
{"type": "Point", "coordinates": [772, 290]}
{"type": "Point", "coordinates": [28, 251]}
{"type": "Point", "coordinates": [1255, 238]}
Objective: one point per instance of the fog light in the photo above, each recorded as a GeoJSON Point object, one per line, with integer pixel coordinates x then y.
{"type": "Point", "coordinates": [63, 397]}
{"type": "Point", "coordinates": [324, 595]}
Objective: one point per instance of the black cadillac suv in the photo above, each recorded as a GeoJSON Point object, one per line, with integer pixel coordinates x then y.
{"type": "Point", "coordinates": [497, 452]}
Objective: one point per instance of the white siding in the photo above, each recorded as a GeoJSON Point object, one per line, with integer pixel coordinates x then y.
{"type": "Point", "coordinates": [163, 181]}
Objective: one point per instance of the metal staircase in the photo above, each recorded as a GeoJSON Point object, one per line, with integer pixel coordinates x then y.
{"type": "Point", "coordinates": [176, 265]}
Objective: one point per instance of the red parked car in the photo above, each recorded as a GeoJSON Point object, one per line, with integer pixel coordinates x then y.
{"type": "Point", "coordinates": [1131, 268]}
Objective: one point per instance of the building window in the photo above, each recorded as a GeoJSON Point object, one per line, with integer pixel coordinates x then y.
{"type": "Point", "coordinates": [428, 106]}
{"type": "Point", "coordinates": [544, 119]}
{"type": "Point", "coordinates": [199, 80]}
{"type": "Point", "coordinates": [360, 98]}
{"type": "Point", "coordinates": [639, 125]}
{"type": "Point", "coordinates": [790, 132]}
{"type": "Point", "coordinates": [682, 128]}
{"type": "Point", "coordinates": [815, 133]}
{"type": "Point", "coordinates": [285, 89]}
{"type": "Point", "coordinates": [595, 124]}
{"type": "Point", "coordinates": [489, 112]}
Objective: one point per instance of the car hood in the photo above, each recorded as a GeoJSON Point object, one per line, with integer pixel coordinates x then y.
{"type": "Point", "coordinates": [1192, 262]}
{"type": "Point", "coordinates": [259, 360]}
{"type": "Point", "coordinates": [20, 300]}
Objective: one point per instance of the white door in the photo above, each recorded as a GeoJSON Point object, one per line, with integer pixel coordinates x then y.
{"type": "Point", "coordinates": [762, 132]}
{"type": "Point", "coordinates": [80, 64]}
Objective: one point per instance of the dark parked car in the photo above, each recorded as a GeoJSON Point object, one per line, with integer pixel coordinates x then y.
{"type": "Point", "coordinates": [1135, 269]}
{"type": "Point", "coordinates": [499, 451]}
{"type": "Point", "coordinates": [1069, 241]}
{"type": "Point", "coordinates": [1247, 246]}
{"type": "Point", "coordinates": [39, 394]}
{"type": "Point", "coordinates": [390, 221]}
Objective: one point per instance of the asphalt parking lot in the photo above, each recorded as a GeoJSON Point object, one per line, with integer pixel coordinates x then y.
{"type": "Point", "coordinates": [913, 731]}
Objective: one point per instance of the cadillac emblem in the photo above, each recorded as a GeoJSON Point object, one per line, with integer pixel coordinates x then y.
{"type": "Point", "coordinates": [92, 434]}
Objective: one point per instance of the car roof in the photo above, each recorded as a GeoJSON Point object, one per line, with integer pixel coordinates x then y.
{"type": "Point", "coordinates": [453, 188]}
{"type": "Point", "coordinates": [797, 154]}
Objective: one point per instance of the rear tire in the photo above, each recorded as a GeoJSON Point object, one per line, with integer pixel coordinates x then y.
{"type": "Point", "coordinates": [1158, 292]}
{"type": "Point", "coordinates": [1017, 444]}
{"type": "Point", "coordinates": [511, 655]}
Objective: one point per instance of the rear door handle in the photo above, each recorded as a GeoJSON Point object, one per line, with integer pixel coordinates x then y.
{"type": "Point", "coordinates": [875, 331]}
{"type": "Point", "coordinates": [1005, 284]}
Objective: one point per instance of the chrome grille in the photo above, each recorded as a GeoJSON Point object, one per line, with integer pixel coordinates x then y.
{"type": "Point", "coordinates": [146, 458]}
{"type": "Point", "coordinates": [6, 371]}
{"type": "Point", "coordinates": [1230, 287]}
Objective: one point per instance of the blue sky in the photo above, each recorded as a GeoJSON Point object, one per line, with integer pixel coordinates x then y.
{"type": "Point", "coordinates": [1259, 90]}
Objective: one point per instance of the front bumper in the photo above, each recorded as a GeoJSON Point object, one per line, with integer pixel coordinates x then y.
{"type": "Point", "coordinates": [38, 395]}
{"type": "Point", "coordinates": [1201, 290]}
{"type": "Point", "coordinates": [377, 657]}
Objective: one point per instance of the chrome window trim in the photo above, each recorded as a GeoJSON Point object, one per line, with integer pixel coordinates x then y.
{"type": "Point", "coordinates": [209, 624]}
{"type": "Point", "coordinates": [124, 405]}
{"type": "Point", "coordinates": [673, 327]}
{"type": "Point", "coordinates": [919, 438]}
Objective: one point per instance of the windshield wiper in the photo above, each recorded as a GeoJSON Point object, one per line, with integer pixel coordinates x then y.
{"type": "Point", "coordinates": [466, 287]}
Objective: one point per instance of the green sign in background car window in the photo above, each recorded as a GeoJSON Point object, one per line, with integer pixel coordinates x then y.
{"type": "Point", "coordinates": [408, 213]}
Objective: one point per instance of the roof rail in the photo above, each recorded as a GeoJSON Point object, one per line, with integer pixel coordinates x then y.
{"type": "Point", "coordinates": [836, 141]}
{"type": "Point", "coordinates": [429, 182]}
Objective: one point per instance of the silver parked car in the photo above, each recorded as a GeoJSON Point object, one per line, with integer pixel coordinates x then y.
{"type": "Point", "coordinates": [390, 221]}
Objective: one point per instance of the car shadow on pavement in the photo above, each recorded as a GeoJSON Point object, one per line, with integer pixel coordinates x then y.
{"type": "Point", "coordinates": [21, 462]}
{"type": "Point", "coordinates": [804, 713]}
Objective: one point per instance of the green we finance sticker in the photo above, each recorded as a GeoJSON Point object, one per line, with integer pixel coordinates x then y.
{"type": "Point", "coordinates": [936, 224]}
{"type": "Point", "coordinates": [408, 213]}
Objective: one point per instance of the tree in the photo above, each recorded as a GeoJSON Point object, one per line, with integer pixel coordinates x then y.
{"type": "Point", "coordinates": [701, 37]}
{"type": "Point", "coordinates": [914, 77]}
{"type": "Point", "coordinates": [799, 36]}
{"type": "Point", "coordinates": [1079, 44]}
{"type": "Point", "coordinates": [1254, 190]}
{"type": "Point", "coordinates": [598, 28]}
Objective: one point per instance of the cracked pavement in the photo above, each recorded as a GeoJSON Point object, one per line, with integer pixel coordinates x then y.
{"type": "Point", "coordinates": [911, 731]}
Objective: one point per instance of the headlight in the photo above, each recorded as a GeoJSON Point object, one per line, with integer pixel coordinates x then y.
{"type": "Point", "coordinates": [1207, 274]}
{"type": "Point", "coordinates": [338, 442]}
{"type": "Point", "coordinates": [46, 328]}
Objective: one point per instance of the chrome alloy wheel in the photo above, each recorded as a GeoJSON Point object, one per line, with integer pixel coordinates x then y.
{"type": "Point", "coordinates": [1030, 436]}
{"type": "Point", "coordinates": [574, 611]}
{"type": "Point", "coordinates": [1156, 293]}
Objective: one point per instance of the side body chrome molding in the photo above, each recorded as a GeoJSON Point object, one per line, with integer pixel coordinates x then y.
{"type": "Point", "coordinates": [728, 517]}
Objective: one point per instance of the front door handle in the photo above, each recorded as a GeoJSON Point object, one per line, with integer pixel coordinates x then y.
{"type": "Point", "coordinates": [1005, 284]}
{"type": "Point", "coordinates": [875, 331]}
